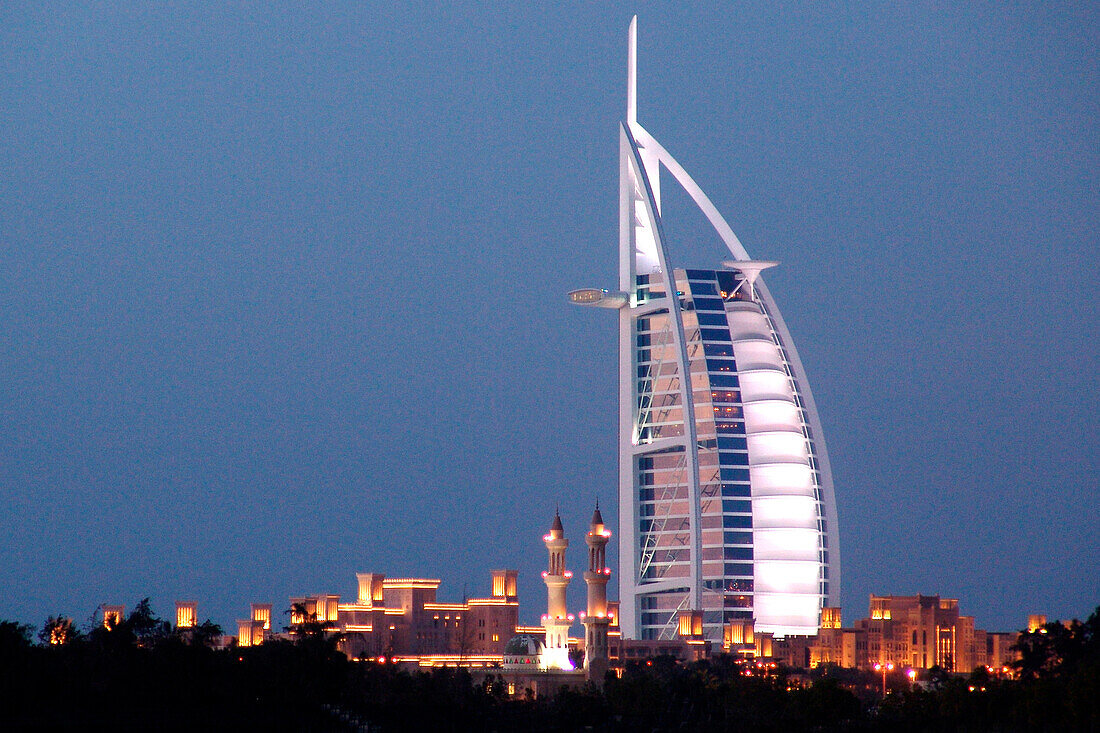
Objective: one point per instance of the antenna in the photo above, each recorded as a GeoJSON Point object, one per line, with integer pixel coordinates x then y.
{"type": "Point", "coordinates": [632, 73]}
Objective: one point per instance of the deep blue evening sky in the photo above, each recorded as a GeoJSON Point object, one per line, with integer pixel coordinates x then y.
{"type": "Point", "coordinates": [282, 289]}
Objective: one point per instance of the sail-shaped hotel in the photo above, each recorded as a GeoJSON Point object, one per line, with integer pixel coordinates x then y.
{"type": "Point", "coordinates": [725, 495]}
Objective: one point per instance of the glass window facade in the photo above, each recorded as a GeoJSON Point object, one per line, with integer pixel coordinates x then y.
{"type": "Point", "coordinates": [759, 512]}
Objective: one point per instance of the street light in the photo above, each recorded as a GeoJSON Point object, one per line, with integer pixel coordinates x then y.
{"type": "Point", "coordinates": [884, 668]}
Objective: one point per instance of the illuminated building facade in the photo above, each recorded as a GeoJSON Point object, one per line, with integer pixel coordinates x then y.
{"type": "Point", "coordinates": [908, 632]}
{"type": "Point", "coordinates": [920, 632]}
{"type": "Point", "coordinates": [400, 619]}
{"type": "Point", "coordinates": [725, 494]}
{"type": "Point", "coordinates": [255, 629]}
{"type": "Point", "coordinates": [186, 614]}
{"type": "Point", "coordinates": [113, 615]}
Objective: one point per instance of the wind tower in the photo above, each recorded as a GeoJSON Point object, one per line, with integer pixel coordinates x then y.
{"type": "Point", "coordinates": [557, 620]}
{"type": "Point", "coordinates": [595, 618]}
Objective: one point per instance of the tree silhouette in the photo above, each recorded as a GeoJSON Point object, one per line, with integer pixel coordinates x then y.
{"type": "Point", "coordinates": [58, 631]}
{"type": "Point", "coordinates": [147, 628]}
{"type": "Point", "coordinates": [108, 680]}
{"type": "Point", "coordinates": [311, 632]}
{"type": "Point", "coordinates": [207, 634]}
{"type": "Point", "coordinates": [14, 636]}
{"type": "Point", "coordinates": [1057, 649]}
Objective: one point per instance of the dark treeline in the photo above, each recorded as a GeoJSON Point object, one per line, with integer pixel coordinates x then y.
{"type": "Point", "coordinates": [143, 674]}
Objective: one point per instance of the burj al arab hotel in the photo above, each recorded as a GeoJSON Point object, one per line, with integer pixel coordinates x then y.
{"type": "Point", "coordinates": [725, 495]}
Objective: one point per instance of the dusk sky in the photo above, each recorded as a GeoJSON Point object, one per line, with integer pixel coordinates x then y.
{"type": "Point", "coordinates": [282, 288]}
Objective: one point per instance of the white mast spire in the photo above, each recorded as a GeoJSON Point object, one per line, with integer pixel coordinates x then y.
{"type": "Point", "coordinates": [632, 74]}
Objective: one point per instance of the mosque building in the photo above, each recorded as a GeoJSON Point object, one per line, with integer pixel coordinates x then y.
{"type": "Point", "coordinates": [544, 665]}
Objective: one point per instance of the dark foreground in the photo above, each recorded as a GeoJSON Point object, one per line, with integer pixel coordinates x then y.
{"type": "Point", "coordinates": [144, 675]}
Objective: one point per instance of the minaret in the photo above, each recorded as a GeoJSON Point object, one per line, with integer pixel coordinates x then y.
{"type": "Point", "coordinates": [556, 621]}
{"type": "Point", "coordinates": [595, 619]}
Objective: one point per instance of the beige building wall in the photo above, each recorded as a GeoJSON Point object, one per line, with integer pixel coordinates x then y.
{"type": "Point", "coordinates": [916, 632]}
{"type": "Point", "coordinates": [401, 617]}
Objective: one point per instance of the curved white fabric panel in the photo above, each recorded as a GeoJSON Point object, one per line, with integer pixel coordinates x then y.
{"type": "Point", "coordinates": [757, 354]}
{"type": "Point", "coordinates": [768, 415]}
{"type": "Point", "coordinates": [787, 543]}
{"type": "Point", "coordinates": [782, 576]}
{"type": "Point", "coordinates": [765, 385]}
{"type": "Point", "coordinates": [777, 447]}
{"type": "Point", "coordinates": [786, 612]}
{"type": "Point", "coordinates": [781, 513]}
{"type": "Point", "coordinates": [781, 479]}
{"type": "Point", "coordinates": [748, 324]}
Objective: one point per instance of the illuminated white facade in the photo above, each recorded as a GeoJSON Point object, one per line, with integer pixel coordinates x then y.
{"type": "Point", "coordinates": [725, 494]}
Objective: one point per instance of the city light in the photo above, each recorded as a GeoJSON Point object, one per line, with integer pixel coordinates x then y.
{"type": "Point", "coordinates": [884, 668]}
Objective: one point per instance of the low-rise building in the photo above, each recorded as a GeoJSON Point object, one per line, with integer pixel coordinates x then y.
{"type": "Point", "coordinates": [912, 632]}
{"type": "Point", "coordinates": [397, 618]}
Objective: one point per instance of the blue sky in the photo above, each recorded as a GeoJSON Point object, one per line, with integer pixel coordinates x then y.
{"type": "Point", "coordinates": [282, 290]}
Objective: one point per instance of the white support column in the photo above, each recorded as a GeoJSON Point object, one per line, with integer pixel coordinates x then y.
{"type": "Point", "coordinates": [690, 443]}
